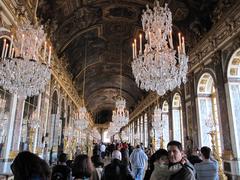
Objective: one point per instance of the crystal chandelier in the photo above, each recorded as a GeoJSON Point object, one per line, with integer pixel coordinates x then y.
{"type": "Point", "coordinates": [96, 134]}
{"type": "Point", "coordinates": [158, 68]}
{"type": "Point", "coordinates": [120, 116]}
{"type": "Point", "coordinates": [125, 136]}
{"type": "Point", "coordinates": [34, 121]}
{"type": "Point", "coordinates": [21, 72]}
{"type": "Point", "coordinates": [113, 128]}
{"type": "Point", "coordinates": [157, 118]}
{"type": "Point", "coordinates": [69, 132]}
{"type": "Point", "coordinates": [81, 121]}
{"type": "Point", "coordinates": [210, 122]}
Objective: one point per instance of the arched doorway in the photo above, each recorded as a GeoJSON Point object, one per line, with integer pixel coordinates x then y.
{"type": "Point", "coordinates": [233, 75]}
{"type": "Point", "coordinates": [207, 110]}
{"type": "Point", "coordinates": [177, 118]}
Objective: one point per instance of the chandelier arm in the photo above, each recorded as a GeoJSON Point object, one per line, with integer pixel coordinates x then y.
{"type": "Point", "coordinates": [35, 13]}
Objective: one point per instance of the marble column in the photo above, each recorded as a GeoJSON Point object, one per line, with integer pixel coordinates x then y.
{"type": "Point", "coordinates": [184, 116]}
{"type": "Point", "coordinates": [222, 102]}
{"type": "Point", "coordinates": [170, 118]}
{"type": "Point", "coordinates": [13, 107]}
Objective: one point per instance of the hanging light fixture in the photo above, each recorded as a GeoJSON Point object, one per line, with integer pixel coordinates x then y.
{"type": "Point", "coordinates": [120, 116]}
{"type": "Point", "coordinates": [158, 67]}
{"type": "Point", "coordinates": [82, 119]}
{"type": "Point", "coordinates": [21, 71]}
{"type": "Point", "coordinates": [95, 134]}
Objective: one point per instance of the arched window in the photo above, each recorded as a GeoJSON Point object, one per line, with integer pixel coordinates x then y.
{"type": "Point", "coordinates": [207, 109]}
{"type": "Point", "coordinates": [177, 118]}
{"type": "Point", "coordinates": [165, 119]}
{"type": "Point", "coordinates": [28, 123]}
{"type": "Point", "coordinates": [56, 124]}
{"type": "Point", "coordinates": [233, 74]}
{"type": "Point", "coordinates": [5, 105]}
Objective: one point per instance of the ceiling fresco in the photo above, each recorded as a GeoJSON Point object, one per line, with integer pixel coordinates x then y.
{"type": "Point", "coordinates": [99, 30]}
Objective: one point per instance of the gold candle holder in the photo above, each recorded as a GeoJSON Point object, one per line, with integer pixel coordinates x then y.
{"type": "Point", "coordinates": [31, 134]}
{"type": "Point", "coordinates": [161, 142]}
{"type": "Point", "coordinates": [216, 154]}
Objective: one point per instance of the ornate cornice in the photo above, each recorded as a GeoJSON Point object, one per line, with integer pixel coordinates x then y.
{"type": "Point", "coordinates": [64, 79]}
{"type": "Point", "coordinates": [227, 28]}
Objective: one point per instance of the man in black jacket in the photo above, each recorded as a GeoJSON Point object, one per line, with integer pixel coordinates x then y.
{"type": "Point", "coordinates": [116, 171]}
{"type": "Point", "coordinates": [175, 155]}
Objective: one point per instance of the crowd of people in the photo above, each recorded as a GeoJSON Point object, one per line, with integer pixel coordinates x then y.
{"type": "Point", "coordinates": [120, 161]}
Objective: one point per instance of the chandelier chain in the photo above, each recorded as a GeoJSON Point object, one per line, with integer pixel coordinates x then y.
{"type": "Point", "coordinates": [84, 70]}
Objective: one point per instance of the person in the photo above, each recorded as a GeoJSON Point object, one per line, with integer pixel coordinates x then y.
{"type": "Point", "coordinates": [116, 170]}
{"type": "Point", "coordinates": [29, 166]}
{"type": "Point", "coordinates": [102, 150]}
{"type": "Point", "coordinates": [161, 163]}
{"type": "Point", "coordinates": [150, 151]}
{"type": "Point", "coordinates": [82, 168]}
{"type": "Point", "coordinates": [96, 160]}
{"type": "Point", "coordinates": [176, 156]}
{"type": "Point", "coordinates": [61, 171]}
{"type": "Point", "coordinates": [138, 159]}
{"type": "Point", "coordinates": [208, 168]}
{"type": "Point", "coordinates": [189, 145]}
{"type": "Point", "coordinates": [194, 157]}
{"type": "Point", "coordinates": [125, 154]}
{"type": "Point", "coordinates": [116, 152]}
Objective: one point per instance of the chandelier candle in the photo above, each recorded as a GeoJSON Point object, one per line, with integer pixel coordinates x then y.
{"type": "Point", "coordinates": [135, 45]}
{"type": "Point", "coordinates": [11, 44]}
{"type": "Point", "coordinates": [140, 37]}
{"type": "Point", "coordinates": [22, 42]}
{"type": "Point", "coordinates": [4, 45]}
{"type": "Point", "coordinates": [171, 40]}
{"type": "Point", "coordinates": [49, 55]}
{"type": "Point", "coordinates": [34, 49]}
{"type": "Point", "coordinates": [6, 50]}
{"type": "Point", "coordinates": [133, 51]}
{"type": "Point", "coordinates": [179, 38]}
{"type": "Point", "coordinates": [183, 46]}
{"type": "Point", "coordinates": [12, 52]}
{"type": "Point", "coordinates": [44, 51]}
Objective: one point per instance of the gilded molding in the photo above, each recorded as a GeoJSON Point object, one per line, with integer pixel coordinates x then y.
{"type": "Point", "coordinates": [227, 28]}
{"type": "Point", "coordinates": [64, 79]}
{"type": "Point", "coordinates": [144, 104]}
